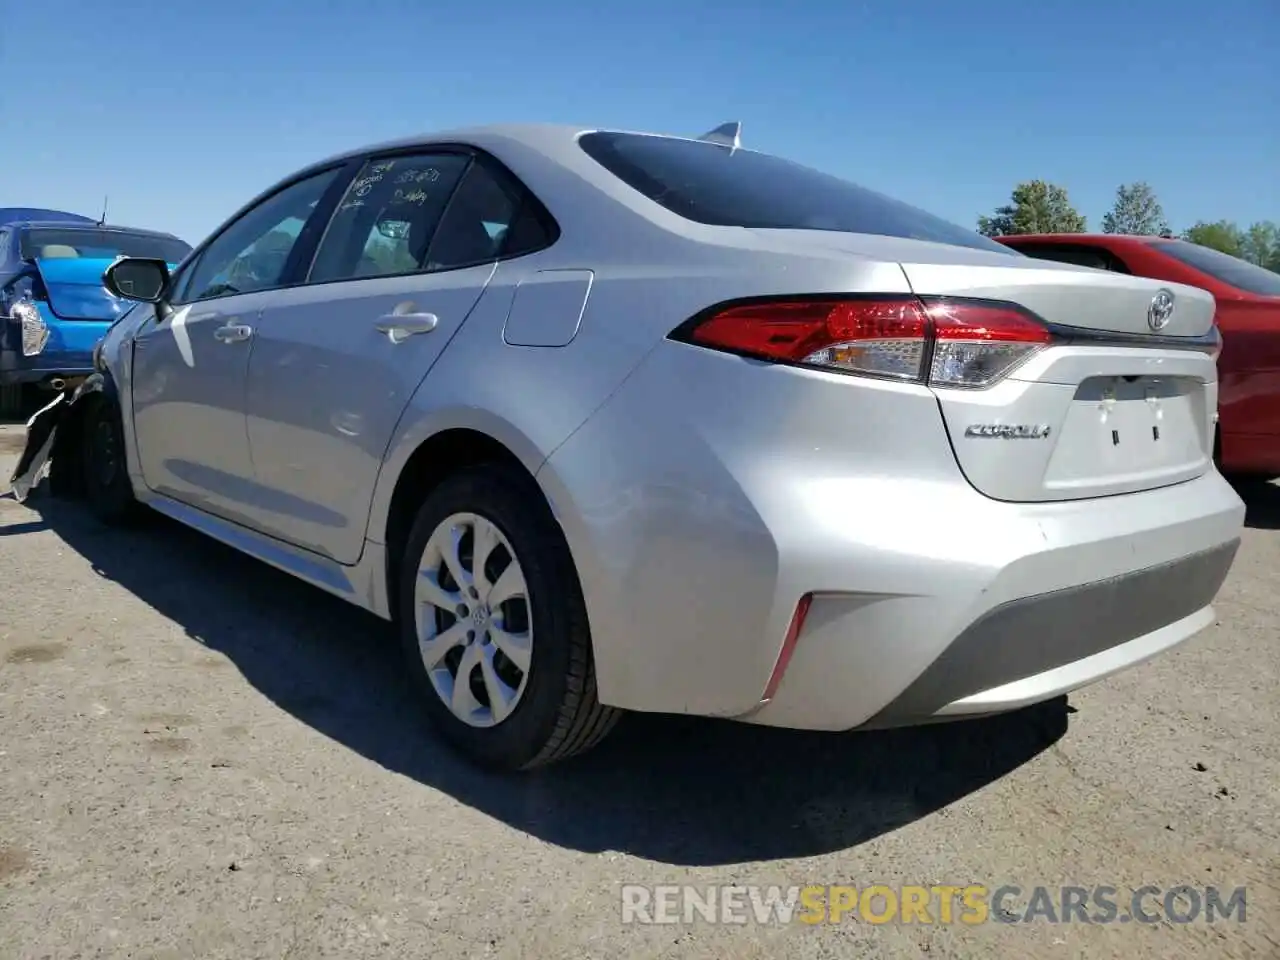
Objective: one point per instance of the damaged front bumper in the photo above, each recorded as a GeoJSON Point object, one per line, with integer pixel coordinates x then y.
{"type": "Point", "coordinates": [42, 434]}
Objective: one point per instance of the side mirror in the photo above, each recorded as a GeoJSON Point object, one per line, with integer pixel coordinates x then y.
{"type": "Point", "coordinates": [136, 278]}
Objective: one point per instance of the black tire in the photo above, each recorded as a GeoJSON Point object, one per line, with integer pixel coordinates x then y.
{"type": "Point", "coordinates": [558, 714]}
{"type": "Point", "coordinates": [66, 459]}
{"type": "Point", "coordinates": [12, 401]}
{"type": "Point", "coordinates": [102, 453]}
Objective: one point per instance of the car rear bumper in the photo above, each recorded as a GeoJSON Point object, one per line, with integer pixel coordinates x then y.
{"type": "Point", "coordinates": [48, 365]}
{"type": "Point", "coordinates": [701, 510]}
{"type": "Point", "coordinates": [1027, 650]}
{"type": "Point", "coordinates": [1118, 583]}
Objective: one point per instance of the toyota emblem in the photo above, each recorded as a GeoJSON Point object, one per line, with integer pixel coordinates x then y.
{"type": "Point", "coordinates": [1161, 310]}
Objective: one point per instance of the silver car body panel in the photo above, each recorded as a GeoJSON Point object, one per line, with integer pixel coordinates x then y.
{"type": "Point", "coordinates": [701, 494]}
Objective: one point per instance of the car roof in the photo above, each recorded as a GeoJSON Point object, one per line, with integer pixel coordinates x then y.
{"type": "Point", "coordinates": [74, 225]}
{"type": "Point", "coordinates": [537, 135]}
{"type": "Point", "coordinates": [10, 215]}
{"type": "Point", "coordinates": [551, 139]}
{"type": "Point", "coordinates": [1103, 239]}
{"type": "Point", "coordinates": [538, 153]}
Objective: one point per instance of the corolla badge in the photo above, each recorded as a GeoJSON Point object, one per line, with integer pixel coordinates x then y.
{"type": "Point", "coordinates": [1161, 310]}
{"type": "Point", "coordinates": [1008, 431]}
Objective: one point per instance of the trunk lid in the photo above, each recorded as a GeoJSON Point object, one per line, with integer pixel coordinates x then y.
{"type": "Point", "coordinates": [1126, 400]}
{"type": "Point", "coordinates": [1113, 406]}
{"type": "Point", "coordinates": [1068, 295]}
{"type": "Point", "coordinates": [73, 286]}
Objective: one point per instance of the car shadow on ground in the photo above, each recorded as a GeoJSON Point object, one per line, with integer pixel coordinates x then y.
{"type": "Point", "coordinates": [675, 790]}
{"type": "Point", "coordinates": [1262, 503]}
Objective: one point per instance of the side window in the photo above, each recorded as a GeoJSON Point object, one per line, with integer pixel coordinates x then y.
{"type": "Point", "coordinates": [251, 254]}
{"type": "Point", "coordinates": [488, 217]}
{"type": "Point", "coordinates": [385, 221]}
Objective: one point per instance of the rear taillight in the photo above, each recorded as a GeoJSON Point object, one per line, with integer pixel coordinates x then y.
{"type": "Point", "coordinates": [976, 344]}
{"type": "Point", "coordinates": [943, 342]}
{"type": "Point", "coordinates": [35, 333]}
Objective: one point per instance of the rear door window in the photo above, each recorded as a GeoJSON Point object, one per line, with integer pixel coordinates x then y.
{"type": "Point", "coordinates": [724, 186]}
{"type": "Point", "coordinates": [490, 216]}
{"type": "Point", "coordinates": [385, 221]}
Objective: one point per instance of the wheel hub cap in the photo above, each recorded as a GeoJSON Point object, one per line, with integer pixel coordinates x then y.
{"type": "Point", "coordinates": [473, 619]}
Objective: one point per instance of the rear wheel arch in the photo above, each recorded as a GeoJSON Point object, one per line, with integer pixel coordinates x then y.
{"type": "Point", "coordinates": [434, 460]}
{"type": "Point", "coordinates": [464, 473]}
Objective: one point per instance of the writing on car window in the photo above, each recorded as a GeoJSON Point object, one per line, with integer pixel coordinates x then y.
{"type": "Point", "coordinates": [385, 221]}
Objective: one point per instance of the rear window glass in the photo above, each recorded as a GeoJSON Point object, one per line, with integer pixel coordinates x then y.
{"type": "Point", "coordinates": [714, 184]}
{"type": "Point", "coordinates": [1093, 257]}
{"type": "Point", "coordinates": [55, 242]}
{"type": "Point", "coordinates": [1240, 274]}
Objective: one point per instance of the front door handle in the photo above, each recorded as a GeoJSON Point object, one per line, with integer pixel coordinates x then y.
{"type": "Point", "coordinates": [233, 332]}
{"type": "Point", "coordinates": [401, 326]}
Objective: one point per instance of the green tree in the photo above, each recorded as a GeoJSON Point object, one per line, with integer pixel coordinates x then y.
{"type": "Point", "coordinates": [1260, 244]}
{"type": "Point", "coordinates": [1221, 235]}
{"type": "Point", "coordinates": [1136, 212]}
{"type": "Point", "coordinates": [1034, 207]}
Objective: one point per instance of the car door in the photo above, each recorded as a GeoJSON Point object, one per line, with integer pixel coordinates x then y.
{"type": "Point", "coordinates": [189, 365]}
{"type": "Point", "coordinates": [410, 249]}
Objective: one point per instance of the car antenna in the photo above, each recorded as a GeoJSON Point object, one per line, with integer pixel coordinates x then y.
{"type": "Point", "coordinates": [727, 135]}
{"type": "Point", "coordinates": [103, 221]}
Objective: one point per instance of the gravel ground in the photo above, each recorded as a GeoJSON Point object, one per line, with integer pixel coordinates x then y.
{"type": "Point", "coordinates": [202, 758]}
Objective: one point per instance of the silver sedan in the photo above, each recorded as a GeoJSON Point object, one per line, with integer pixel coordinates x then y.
{"type": "Point", "coordinates": [612, 421]}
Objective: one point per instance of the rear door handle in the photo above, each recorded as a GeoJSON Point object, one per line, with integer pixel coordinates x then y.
{"type": "Point", "coordinates": [233, 332]}
{"type": "Point", "coordinates": [401, 326]}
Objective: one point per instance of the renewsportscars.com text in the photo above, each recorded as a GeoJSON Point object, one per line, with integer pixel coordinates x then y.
{"type": "Point", "coordinates": [968, 904]}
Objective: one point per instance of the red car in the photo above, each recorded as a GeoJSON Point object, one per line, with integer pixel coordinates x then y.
{"type": "Point", "coordinates": [1248, 441]}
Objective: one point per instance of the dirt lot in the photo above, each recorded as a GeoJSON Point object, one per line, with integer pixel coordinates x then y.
{"type": "Point", "coordinates": [204, 759]}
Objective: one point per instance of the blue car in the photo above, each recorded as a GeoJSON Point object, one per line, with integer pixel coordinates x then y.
{"type": "Point", "coordinates": [53, 307]}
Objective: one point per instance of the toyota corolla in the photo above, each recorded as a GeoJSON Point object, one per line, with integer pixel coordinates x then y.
{"type": "Point", "coordinates": [612, 421]}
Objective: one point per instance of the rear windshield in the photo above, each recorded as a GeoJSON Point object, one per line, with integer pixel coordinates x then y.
{"type": "Point", "coordinates": [1223, 267]}
{"type": "Point", "coordinates": [53, 242]}
{"type": "Point", "coordinates": [714, 184]}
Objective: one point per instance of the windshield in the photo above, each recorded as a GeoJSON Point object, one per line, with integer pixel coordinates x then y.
{"type": "Point", "coordinates": [59, 242]}
{"type": "Point", "coordinates": [713, 184]}
{"type": "Point", "coordinates": [1223, 267]}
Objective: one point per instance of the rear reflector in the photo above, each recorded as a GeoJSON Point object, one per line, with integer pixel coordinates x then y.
{"type": "Point", "coordinates": [944, 342]}
{"type": "Point", "coordinates": [788, 647]}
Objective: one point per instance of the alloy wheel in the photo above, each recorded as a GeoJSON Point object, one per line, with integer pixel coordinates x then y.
{"type": "Point", "coordinates": [472, 615]}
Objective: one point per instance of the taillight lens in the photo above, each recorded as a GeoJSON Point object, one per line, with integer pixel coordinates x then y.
{"type": "Point", "coordinates": [943, 342]}
{"type": "Point", "coordinates": [977, 343]}
{"type": "Point", "coordinates": [35, 334]}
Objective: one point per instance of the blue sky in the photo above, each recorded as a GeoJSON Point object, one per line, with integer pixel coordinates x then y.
{"type": "Point", "coordinates": [183, 111]}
